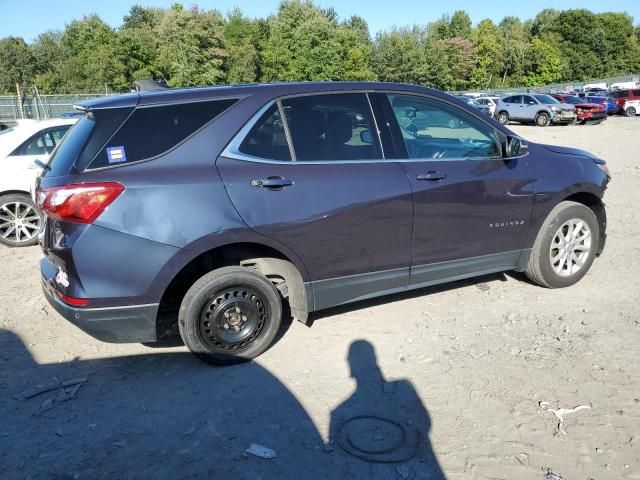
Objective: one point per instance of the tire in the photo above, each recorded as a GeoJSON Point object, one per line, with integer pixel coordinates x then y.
{"type": "Point", "coordinates": [542, 119]}
{"type": "Point", "coordinates": [630, 112]}
{"type": "Point", "coordinates": [541, 267]}
{"type": "Point", "coordinates": [503, 118]}
{"type": "Point", "coordinates": [20, 220]}
{"type": "Point", "coordinates": [213, 302]}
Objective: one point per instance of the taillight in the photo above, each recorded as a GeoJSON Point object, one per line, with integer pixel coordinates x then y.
{"type": "Point", "coordinates": [80, 203]}
{"type": "Point", "coordinates": [76, 302]}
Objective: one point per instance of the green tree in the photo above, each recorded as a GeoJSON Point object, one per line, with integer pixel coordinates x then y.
{"type": "Point", "coordinates": [241, 37]}
{"type": "Point", "coordinates": [17, 64]}
{"type": "Point", "coordinates": [543, 64]}
{"type": "Point", "coordinates": [400, 56]}
{"type": "Point", "coordinates": [460, 25]}
{"type": "Point", "coordinates": [487, 50]}
{"type": "Point", "coordinates": [191, 48]}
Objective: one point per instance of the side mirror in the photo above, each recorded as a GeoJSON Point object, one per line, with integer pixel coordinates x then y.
{"type": "Point", "coordinates": [516, 147]}
{"type": "Point", "coordinates": [366, 136]}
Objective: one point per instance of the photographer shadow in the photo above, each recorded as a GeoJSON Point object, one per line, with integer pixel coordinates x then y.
{"type": "Point", "coordinates": [166, 415]}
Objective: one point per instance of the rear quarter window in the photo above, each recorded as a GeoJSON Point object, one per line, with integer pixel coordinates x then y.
{"type": "Point", "coordinates": [151, 131]}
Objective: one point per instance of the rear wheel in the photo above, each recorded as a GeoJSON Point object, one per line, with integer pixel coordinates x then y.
{"type": "Point", "coordinates": [630, 112]}
{"type": "Point", "coordinates": [542, 119]}
{"type": "Point", "coordinates": [503, 118]}
{"type": "Point", "coordinates": [230, 315]}
{"type": "Point", "coordinates": [565, 247]}
{"type": "Point", "coordinates": [20, 220]}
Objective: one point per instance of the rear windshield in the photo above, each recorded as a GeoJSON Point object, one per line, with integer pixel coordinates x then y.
{"type": "Point", "coordinates": [83, 140]}
{"type": "Point", "coordinates": [151, 131]}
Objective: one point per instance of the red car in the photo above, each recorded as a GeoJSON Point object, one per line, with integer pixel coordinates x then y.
{"type": "Point", "coordinates": [622, 96]}
{"type": "Point", "coordinates": [585, 112]}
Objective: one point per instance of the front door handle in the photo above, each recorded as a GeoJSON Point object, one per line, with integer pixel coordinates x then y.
{"type": "Point", "coordinates": [271, 182]}
{"type": "Point", "coordinates": [431, 177]}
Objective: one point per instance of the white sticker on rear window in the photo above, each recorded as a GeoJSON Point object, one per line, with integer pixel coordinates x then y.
{"type": "Point", "coordinates": [116, 154]}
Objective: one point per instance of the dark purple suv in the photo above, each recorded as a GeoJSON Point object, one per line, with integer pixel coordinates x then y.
{"type": "Point", "coordinates": [215, 212]}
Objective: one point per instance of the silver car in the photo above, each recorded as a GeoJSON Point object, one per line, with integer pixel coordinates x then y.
{"type": "Point", "coordinates": [537, 108]}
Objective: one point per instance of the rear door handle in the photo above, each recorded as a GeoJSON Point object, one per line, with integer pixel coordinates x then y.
{"type": "Point", "coordinates": [271, 182]}
{"type": "Point", "coordinates": [431, 177]}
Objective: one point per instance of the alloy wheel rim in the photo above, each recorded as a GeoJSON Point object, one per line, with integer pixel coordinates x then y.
{"type": "Point", "coordinates": [19, 222]}
{"type": "Point", "coordinates": [542, 120]}
{"type": "Point", "coordinates": [233, 319]}
{"type": "Point", "coordinates": [570, 247]}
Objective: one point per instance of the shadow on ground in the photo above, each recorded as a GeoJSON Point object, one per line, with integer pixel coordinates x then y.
{"type": "Point", "coordinates": [167, 415]}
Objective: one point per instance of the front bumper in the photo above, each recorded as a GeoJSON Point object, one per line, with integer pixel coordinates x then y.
{"type": "Point", "coordinates": [129, 324]}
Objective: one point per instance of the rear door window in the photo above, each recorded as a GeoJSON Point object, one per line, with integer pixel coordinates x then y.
{"type": "Point", "coordinates": [151, 131]}
{"type": "Point", "coordinates": [267, 139]}
{"type": "Point", "coordinates": [332, 127]}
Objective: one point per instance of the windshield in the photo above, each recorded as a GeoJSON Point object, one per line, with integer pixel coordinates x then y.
{"type": "Point", "coordinates": [546, 99]}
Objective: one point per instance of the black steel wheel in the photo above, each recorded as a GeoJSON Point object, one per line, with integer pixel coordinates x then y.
{"type": "Point", "coordinates": [230, 315]}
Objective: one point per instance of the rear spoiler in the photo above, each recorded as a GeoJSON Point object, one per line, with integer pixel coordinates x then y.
{"type": "Point", "coordinates": [150, 85]}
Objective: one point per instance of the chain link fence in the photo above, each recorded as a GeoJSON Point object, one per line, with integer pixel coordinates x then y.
{"type": "Point", "coordinates": [39, 107]}
{"type": "Point", "coordinates": [562, 87]}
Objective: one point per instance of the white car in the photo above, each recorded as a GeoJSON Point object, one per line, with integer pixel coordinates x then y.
{"type": "Point", "coordinates": [631, 108]}
{"type": "Point", "coordinates": [20, 147]}
{"type": "Point", "coordinates": [490, 102]}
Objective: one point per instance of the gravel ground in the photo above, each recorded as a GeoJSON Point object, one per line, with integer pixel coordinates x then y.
{"type": "Point", "coordinates": [466, 365]}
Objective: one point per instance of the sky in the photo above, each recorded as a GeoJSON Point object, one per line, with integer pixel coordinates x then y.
{"type": "Point", "coordinates": [28, 18]}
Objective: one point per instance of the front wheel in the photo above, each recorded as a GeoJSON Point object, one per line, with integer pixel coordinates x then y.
{"type": "Point", "coordinates": [542, 119]}
{"type": "Point", "coordinates": [20, 220]}
{"type": "Point", "coordinates": [630, 112]}
{"type": "Point", "coordinates": [230, 315]}
{"type": "Point", "coordinates": [565, 247]}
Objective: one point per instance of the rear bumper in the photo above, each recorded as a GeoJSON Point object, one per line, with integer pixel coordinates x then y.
{"type": "Point", "coordinates": [129, 324]}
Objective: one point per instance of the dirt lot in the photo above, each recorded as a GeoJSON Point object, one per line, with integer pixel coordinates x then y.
{"type": "Point", "coordinates": [472, 359]}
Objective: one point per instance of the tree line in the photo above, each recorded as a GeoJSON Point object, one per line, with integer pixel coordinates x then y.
{"type": "Point", "coordinates": [302, 41]}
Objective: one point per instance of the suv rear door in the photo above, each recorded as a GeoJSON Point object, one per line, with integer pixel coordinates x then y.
{"type": "Point", "coordinates": [513, 106]}
{"type": "Point", "coordinates": [471, 205]}
{"type": "Point", "coordinates": [308, 171]}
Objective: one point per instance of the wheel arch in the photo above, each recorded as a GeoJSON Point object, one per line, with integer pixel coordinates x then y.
{"type": "Point", "coordinates": [269, 261]}
{"type": "Point", "coordinates": [595, 203]}
{"type": "Point", "coordinates": [14, 192]}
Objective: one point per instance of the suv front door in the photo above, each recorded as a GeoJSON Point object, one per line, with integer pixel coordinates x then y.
{"type": "Point", "coordinates": [471, 205]}
{"type": "Point", "coordinates": [310, 174]}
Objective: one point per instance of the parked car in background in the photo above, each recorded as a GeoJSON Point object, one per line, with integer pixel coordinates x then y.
{"type": "Point", "coordinates": [540, 109]}
{"type": "Point", "coordinates": [632, 108]}
{"type": "Point", "coordinates": [585, 111]}
{"type": "Point", "coordinates": [20, 147]}
{"type": "Point", "coordinates": [478, 106]}
{"type": "Point", "coordinates": [71, 114]}
{"type": "Point", "coordinates": [629, 85]}
{"type": "Point", "coordinates": [599, 92]}
{"type": "Point", "coordinates": [622, 96]}
{"type": "Point", "coordinates": [206, 211]}
{"type": "Point", "coordinates": [488, 102]}
{"type": "Point", "coordinates": [608, 102]}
